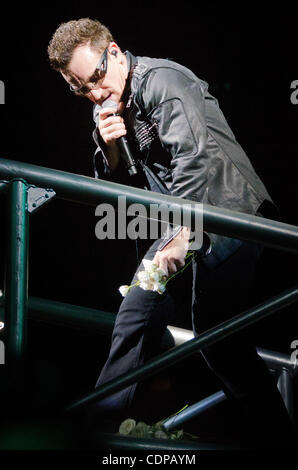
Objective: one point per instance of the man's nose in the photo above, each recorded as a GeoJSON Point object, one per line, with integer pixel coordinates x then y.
{"type": "Point", "coordinates": [95, 95]}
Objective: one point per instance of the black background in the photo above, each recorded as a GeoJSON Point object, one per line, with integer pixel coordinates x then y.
{"type": "Point", "coordinates": [247, 54]}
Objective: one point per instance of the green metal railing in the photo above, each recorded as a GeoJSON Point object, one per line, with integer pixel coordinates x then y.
{"type": "Point", "coordinates": [16, 288]}
{"type": "Point", "coordinates": [179, 353]}
{"type": "Point", "coordinates": [26, 186]}
{"type": "Point", "coordinates": [86, 190]}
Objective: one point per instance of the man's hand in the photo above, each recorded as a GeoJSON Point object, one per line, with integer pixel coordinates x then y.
{"type": "Point", "coordinates": [111, 127]}
{"type": "Point", "coordinates": [172, 257]}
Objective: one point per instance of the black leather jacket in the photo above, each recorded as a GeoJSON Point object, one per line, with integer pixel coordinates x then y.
{"type": "Point", "coordinates": [177, 129]}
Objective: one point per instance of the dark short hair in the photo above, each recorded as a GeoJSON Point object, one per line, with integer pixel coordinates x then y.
{"type": "Point", "coordinates": [72, 34]}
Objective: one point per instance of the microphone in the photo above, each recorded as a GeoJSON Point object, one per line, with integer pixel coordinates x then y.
{"type": "Point", "coordinates": [123, 144]}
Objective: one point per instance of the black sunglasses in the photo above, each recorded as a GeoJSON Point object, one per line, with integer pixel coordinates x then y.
{"type": "Point", "coordinates": [99, 73]}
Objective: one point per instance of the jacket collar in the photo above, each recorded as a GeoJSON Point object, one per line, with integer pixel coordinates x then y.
{"type": "Point", "coordinates": [131, 63]}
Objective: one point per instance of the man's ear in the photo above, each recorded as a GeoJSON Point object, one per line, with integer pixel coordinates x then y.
{"type": "Point", "coordinates": [114, 49]}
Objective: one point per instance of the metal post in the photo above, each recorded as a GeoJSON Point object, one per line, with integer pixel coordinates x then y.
{"type": "Point", "coordinates": [16, 279]}
{"type": "Point", "coordinates": [285, 386]}
{"type": "Point", "coordinates": [194, 410]}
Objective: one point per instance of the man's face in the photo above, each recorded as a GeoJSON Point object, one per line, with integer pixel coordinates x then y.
{"type": "Point", "coordinates": [81, 70]}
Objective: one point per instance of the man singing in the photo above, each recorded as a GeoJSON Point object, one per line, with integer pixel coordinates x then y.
{"type": "Point", "coordinates": [183, 146]}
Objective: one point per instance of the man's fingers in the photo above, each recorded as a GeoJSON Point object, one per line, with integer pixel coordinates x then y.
{"type": "Point", "coordinates": [105, 112]}
{"type": "Point", "coordinates": [110, 126]}
{"type": "Point", "coordinates": [115, 135]}
{"type": "Point", "coordinates": [162, 264]}
{"type": "Point", "coordinates": [114, 127]}
{"type": "Point", "coordinates": [112, 130]}
{"type": "Point", "coordinates": [169, 265]}
{"type": "Point", "coordinates": [110, 121]}
{"type": "Point", "coordinates": [180, 263]}
{"type": "Point", "coordinates": [172, 267]}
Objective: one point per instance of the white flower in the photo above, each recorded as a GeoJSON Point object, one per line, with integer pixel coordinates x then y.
{"type": "Point", "coordinates": [159, 287]}
{"type": "Point", "coordinates": [143, 276]}
{"type": "Point", "coordinates": [158, 275]}
{"type": "Point", "coordinates": [145, 285]}
{"type": "Point", "coordinates": [141, 430]}
{"type": "Point", "coordinates": [152, 278]}
{"type": "Point", "coordinates": [123, 290]}
{"type": "Point", "coordinates": [148, 264]}
{"type": "Point", "coordinates": [159, 434]}
{"type": "Point", "coordinates": [155, 276]}
{"type": "Point", "coordinates": [161, 272]}
{"type": "Point", "coordinates": [127, 426]}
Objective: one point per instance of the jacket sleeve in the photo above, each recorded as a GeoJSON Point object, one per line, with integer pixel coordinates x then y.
{"type": "Point", "coordinates": [174, 99]}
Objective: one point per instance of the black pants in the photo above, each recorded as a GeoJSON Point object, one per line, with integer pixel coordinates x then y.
{"type": "Point", "coordinates": [219, 293]}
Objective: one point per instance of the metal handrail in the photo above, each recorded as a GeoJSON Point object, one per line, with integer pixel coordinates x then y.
{"type": "Point", "coordinates": [179, 353]}
{"type": "Point", "coordinates": [67, 315]}
{"type": "Point", "coordinates": [91, 191]}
